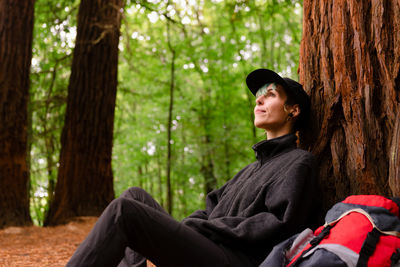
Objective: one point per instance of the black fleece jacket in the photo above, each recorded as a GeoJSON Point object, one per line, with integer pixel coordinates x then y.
{"type": "Point", "coordinates": [266, 202]}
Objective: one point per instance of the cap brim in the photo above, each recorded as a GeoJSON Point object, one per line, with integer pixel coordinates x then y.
{"type": "Point", "coordinates": [256, 79]}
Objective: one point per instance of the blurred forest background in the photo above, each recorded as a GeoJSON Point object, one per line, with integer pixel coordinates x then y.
{"type": "Point", "coordinates": [202, 134]}
{"type": "Point", "coordinates": [100, 95]}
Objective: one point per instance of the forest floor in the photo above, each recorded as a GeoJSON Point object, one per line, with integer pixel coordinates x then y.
{"type": "Point", "coordinates": [42, 246]}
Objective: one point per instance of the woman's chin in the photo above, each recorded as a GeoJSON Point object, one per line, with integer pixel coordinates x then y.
{"type": "Point", "coordinates": [259, 125]}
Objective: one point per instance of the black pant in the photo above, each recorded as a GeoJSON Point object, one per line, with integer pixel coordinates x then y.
{"type": "Point", "coordinates": [135, 224]}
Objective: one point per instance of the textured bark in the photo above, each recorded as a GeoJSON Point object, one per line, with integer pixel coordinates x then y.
{"type": "Point", "coordinates": [16, 26]}
{"type": "Point", "coordinates": [85, 181]}
{"type": "Point", "coordinates": [350, 64]}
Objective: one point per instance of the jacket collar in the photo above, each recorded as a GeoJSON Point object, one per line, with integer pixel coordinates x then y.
{"type": "Point", "coordinates": [267, 149]}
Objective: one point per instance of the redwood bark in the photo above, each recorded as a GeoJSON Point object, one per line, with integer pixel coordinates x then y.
{"type": "Point", "coordinates": [16, 26]}
{"type": "Point", "coordinates": [350, 65]}
{"type": "Point", "coordinates": [85, 181]}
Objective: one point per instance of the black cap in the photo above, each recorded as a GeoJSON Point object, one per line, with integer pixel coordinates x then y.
{"type": "Point", "coordinates": [258, 78]}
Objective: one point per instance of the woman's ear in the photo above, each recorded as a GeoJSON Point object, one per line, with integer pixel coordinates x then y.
{"type": "Point", "coordinates": [295, 111]}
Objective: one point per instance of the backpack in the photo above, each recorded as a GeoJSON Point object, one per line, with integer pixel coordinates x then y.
{"type": "Point", "coordinates": [362, 230]}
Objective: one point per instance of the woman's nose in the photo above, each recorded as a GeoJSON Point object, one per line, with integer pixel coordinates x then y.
{"type": "Point", "coordinates": [260, 100]}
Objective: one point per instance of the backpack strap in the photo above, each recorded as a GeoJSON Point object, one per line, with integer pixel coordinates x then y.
{"type": "Point", "coordinates": [395, 258]}
{"type": "Point", "coordinates": [368, 247]}
{"type": "Point", "coordinates": [314, 242]}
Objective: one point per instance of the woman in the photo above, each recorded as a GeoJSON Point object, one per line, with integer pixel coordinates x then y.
{"type": "Point", "coordinates": [266, 202]}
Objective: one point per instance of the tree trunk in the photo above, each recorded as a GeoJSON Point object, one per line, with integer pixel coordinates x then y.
{"type": "Point", "coordinates": [16, 26]}
{"type": "Point", "coordinates": [85, 181]}
{"type": "Point", "coordinates": [169, 123]}
{"type": "Point", "coordinates": [350, 65]}
{"type": "Point", "coordinates": [206, 164]}
{"type": "Point", "coordinates": [160, 191]}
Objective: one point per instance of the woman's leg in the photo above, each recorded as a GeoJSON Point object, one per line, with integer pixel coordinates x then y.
{"type": "Point", "coordinates": [132, 258]}
{"type": "Point", "coordinates": [156, 235]}
{"type": "Point", "coordinates": [139, 194]}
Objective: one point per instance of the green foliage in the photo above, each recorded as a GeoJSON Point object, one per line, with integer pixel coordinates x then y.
{"type": "Point", "coordinates": [217, 43]}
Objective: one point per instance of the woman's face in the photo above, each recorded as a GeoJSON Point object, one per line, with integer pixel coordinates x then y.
{"type": "Point", "coordinates": [270, 113]}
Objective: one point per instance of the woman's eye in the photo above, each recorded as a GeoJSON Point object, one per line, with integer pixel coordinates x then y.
{"type": "Point", "coordinates": [269, 93]}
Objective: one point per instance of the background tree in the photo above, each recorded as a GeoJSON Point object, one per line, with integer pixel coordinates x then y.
{"type": "Point", "coordinates": [54, 32]}
{"type": "Point", "coordinates": [16, 26]}
{"type": "Point", "coordinates": [350, 64]}
{"type": "Point", "coordinates": [173, 52]}
{"type": "Point", "coordinates": [85, 181]}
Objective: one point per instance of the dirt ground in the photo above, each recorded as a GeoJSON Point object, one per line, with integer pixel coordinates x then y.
{"type": "Point", "coordinates": [42, 246]}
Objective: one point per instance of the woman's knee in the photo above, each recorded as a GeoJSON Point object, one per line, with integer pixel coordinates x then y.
{"type": "Point", "coordinates": [139, 194]}
{"type": "Point", "coordinates": [135, 193]}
